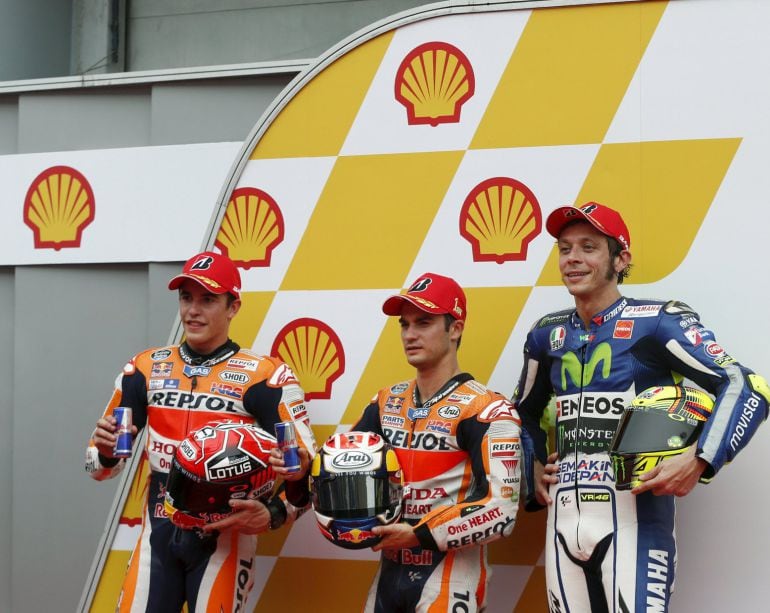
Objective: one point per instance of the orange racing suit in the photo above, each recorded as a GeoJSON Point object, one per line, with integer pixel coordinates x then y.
{"type": "Point", "coordinates": [172, 391]}
{"type": "Point", "coordinates": [459, 452]}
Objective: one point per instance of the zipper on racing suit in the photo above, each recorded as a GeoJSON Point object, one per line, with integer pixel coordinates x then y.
{"type": "Point", "coordinates": [577, 449]}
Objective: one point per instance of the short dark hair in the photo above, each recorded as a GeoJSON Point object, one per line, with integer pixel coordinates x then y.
{"type": "Point", "coordinates": [448, 319]}
{"type": "Point", "coordinates": [615, 249]}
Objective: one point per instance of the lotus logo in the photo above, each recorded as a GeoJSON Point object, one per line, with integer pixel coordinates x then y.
{"type": "Point", "coordinates": [352, 459]}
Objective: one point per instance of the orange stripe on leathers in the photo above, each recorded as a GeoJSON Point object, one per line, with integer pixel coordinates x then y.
{"type": "Point", "coordinates": [129, 583]}
{"type": "Point", "coordinates": [223, 588]}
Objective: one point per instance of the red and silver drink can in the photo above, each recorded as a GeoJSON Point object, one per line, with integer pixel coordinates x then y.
{"type": "Point", "coordinates": [287, 443]}
{"type": "Point", "coordinates": [125, 441]}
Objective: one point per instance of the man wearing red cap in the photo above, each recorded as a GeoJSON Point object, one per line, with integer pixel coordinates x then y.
{"type": "Point", "coordinates": [178, 389]}
{"type": "Point", "coordinates": [611, 550]}
{"type": "Point", "coordinates": [458, 447]}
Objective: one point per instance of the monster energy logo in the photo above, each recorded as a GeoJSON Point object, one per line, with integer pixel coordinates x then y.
{"type": "Point", "coordinates": [570, 364]}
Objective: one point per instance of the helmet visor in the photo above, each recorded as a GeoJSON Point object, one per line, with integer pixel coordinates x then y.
{"type": "Point", "coordinates": [354, 495]}
{"type": "Point", "coordinates": [649, 429]}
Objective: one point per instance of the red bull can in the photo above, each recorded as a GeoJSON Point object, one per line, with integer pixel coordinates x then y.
{"type": "Point", "coordinates": [125, 441]}
{"type": "Point", "coordinates": [286, 436]}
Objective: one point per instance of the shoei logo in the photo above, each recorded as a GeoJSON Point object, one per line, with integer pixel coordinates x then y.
{"type": "Point", "coordinates": [433, 82]}
{"type": "Point", "coordinates": [499, 218]}
{"type": "Point", "coordinates": [252, 227]}
{"type": "Point", "coordinates": [570, 365]}
{"type": "Point", "coordinates": [229, 376]}
{"type": "Point", "coordinates": [351, 459]}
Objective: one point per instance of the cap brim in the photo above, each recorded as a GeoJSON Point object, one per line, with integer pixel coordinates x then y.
{"type": "Point", "coordinates": [393, 305]}
{"type": "Point", "coordinates": [556, 221]}
{"type": "Point", "coordinates": [204, 282]}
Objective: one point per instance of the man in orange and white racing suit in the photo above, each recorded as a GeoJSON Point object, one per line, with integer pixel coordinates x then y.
{"type": "Point", "coordinates": [177, 389]}
{"type": "Point", "coordinates": [458, 447]}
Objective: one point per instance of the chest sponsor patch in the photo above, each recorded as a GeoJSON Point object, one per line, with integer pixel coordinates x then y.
{"type": "Point", "coordinates": [449, 412]}
{"type": "Point", "coordinates": [164, 384]}
{"type": "Point", "coordinates": [399, 388]}
{"type": "Point", "coordinates": [557, 336]}
{"type": "Point", "coordinates": [227, 389]}
{"type": "Point", "coordinates": [418, 413]}
{"type": "Point", "coordinates": [623, 329]}
{"type": "Point", "coordinates": [393, 404]}
{"type": "Point", "coordinates": [196, 371]}
{"type": "Point", "coordinates": [460, 398]}
{"type": "Point", "coordinates": [641, 310]}
{"type": "Point", "coordinates": [438, 425]}
{"type": "Point", "coordinates": [160, 354]}
{"type": "Point", "coordinates": [161, 369]}
{"type": "Point", "coordinates": [232, 376]}
{"type": "Point", "coordinates": [240, 363]}
{"type": "Point", "coordinates": [394, 421]}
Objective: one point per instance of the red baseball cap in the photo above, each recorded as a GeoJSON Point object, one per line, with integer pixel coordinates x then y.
{"type": "Point", "coordinates": [215, 272]}
{"type": "Point", "coordinates": [608, 221]}
{"type": "Point", "coordinates": [433, 294]}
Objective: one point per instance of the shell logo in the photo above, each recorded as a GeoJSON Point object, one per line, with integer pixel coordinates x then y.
{"type": "Point", "coordinates": [251, 228]}
{"type": "Point", "coordinates": [433, 82]}
{"type": "Point", "coordinates": [134, 505]}
{"type": "Point", "coordinates": [58, 206]}
{"type": "Point", "coordinates": [314, 352]}
{"type": "Point", "coordinates": [499, 218]}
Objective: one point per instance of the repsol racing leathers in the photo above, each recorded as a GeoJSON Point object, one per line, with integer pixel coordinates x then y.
{"type": "Point", "coordinates": [609, 550]}
{"type": "Point", "coordinates": [172, 391]}
{"type": "Point", "coordinates": [459, 452]}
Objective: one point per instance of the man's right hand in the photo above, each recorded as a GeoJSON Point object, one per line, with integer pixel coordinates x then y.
{"type": "Point", "coordinates": [545, 476]}
{"type": "Point", "coordinates": [104, 436]}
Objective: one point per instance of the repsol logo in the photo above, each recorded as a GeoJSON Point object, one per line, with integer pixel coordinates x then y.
{"type": "Point", "coordinates": [422, 440]}
{"type": "Point", "coordinates": [243, 579]}
{"type": "Point", "coordinates": [193, 401]}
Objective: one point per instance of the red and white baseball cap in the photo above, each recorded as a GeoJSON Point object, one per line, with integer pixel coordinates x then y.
{"type": "Point", "coordinates": [608, 221]}
{"type": "Point", "coordinates": [433, 294]}
{"type": "Point", "coordinates": [215, 272]}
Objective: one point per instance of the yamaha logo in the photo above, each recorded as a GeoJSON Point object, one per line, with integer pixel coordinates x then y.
{"type": "Point", "coordinates": [352, 459]}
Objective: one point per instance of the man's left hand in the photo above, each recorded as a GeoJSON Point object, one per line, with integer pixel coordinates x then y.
{"type": "Point", "coordinates": [675, 476]}
{"type": "Point", "coordinates": [395, 536]}
{"type": "Point", "coordinates": [249, 517]}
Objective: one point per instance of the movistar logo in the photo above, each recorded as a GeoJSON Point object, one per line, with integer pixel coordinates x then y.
{"type": "Point", "coordinates": [570, 365]}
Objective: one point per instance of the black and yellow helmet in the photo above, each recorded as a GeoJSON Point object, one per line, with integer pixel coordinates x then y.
{"type": "Point", "coordinates": [660, 422]}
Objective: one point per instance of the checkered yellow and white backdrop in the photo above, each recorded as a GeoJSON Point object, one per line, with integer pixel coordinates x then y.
{"type": "Point", "coordinates": [440, 143]}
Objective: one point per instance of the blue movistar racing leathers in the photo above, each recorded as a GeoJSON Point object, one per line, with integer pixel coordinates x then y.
{"type": "Point", "coordinates": [609, 550]}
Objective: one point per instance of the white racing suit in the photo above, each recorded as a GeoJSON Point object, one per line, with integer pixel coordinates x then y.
{"type": "Point", "coordinates": [459, 452]}
{"type": "Point", "coordinates": [609, 550]}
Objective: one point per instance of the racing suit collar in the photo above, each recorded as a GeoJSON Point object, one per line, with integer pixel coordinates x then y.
{"type": "Point", "coordinates": [450, 385]}
{"type": "Point", "coordinates": [221, 353]}
{"type": "Point", "coordinates": [602, 317]}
